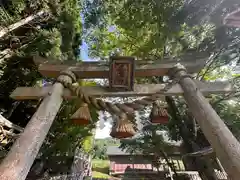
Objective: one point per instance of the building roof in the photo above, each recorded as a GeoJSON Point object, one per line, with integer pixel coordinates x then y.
{"type": "Point", "coordinates": [115, 150]}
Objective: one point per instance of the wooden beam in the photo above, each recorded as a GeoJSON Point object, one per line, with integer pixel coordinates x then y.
{"type": "Point", "coordinates": [101, 69]}
{"type": "Point", "coordinates": [24, 93]}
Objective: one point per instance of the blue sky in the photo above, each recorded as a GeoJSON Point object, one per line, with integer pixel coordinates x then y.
{"type": "Point", "coordinates": [84, 46]}
{"type": "Point", "coordinates": [84, 51]}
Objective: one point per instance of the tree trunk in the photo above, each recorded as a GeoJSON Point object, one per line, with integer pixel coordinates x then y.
{"type": "Point", "coordinates": [190, 145]}
{"type": "Point", "coordinates": [24, 151]}
{"type": "Point", "coordinates": [168, 162]}
{"type": "Point", "coordinates": [20, 23]}
{"type": "Point", "coordinates": [217, 133]}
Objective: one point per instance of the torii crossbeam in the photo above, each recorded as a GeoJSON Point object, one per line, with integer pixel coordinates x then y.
{"type": "Point", "coordinates": [207, 88]}
{"type": "Point", "coordinates": [143, 68]}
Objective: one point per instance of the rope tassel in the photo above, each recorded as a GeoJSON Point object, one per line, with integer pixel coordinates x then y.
{"type": "Point", "coordinates": [127, 108]}
{"type": "Point", "coordinates": [82, 116]}
{"type": "Point", "coordinates": [158, 114]}
{"type": "Point", "coordinates": [123, 128]}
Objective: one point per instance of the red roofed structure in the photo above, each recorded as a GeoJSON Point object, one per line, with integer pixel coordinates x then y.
{"type": "Point", "coordinates": [122, 163]}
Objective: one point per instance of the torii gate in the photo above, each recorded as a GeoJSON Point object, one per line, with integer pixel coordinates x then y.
{"type": "Point", "coordinates": [22, 154]}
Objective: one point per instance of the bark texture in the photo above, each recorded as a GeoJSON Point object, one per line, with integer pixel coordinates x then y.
{"type": "Point", "coordinates": [217, 133]}
{"type": "Point", "coordinates": [24, 151]}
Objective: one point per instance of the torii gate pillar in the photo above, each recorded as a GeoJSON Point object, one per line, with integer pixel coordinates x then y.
{"type": "Point", "coordinates": [223, 142]}
{"type": "Point", "coordinates": [25, 149]}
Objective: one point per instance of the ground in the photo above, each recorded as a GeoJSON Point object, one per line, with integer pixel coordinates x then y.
{"type": "Point", "coordinates": [100, 168]}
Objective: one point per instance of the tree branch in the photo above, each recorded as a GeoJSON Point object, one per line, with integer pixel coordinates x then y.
{"type": "Point", "coordinates": [9, 133]}
{"type": "Point", "coordinates": [211, 61]}
{"type": "Point", "coordinates": [20, 23]}
{"type": "Point", "coordinates": [227, 97]}
{"type": "Point", "coordinates": [9, 124]}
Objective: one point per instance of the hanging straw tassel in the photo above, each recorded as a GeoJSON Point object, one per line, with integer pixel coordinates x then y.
{"type": "Point", "coordinates": [158, 114]}
{"type": "Point", "coordinates": [82, 116]}
{"type": "Point", "coordinates": [122, 128]}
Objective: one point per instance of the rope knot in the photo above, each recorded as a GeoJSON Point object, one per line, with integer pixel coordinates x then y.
{"type": "Point", "coordinates": [67, 78]}
{"type": "Point", "coordinates": [67, 73]}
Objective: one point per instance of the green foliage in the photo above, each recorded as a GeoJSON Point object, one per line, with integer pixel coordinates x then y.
{"type": "Point", "coordinates": [70, 27]}
{"type": "Point", "coordinates": [139, 29]}
{"type": "Point", "coordinates": [151, 140]}
{"type": "Point", "coordinates": [55, 35]}
{"type": "Point", "coordinates": [100, 168]}
{"type": "Point", "coordinates": [45, 43]}
{"type": "Point", "coordinates": [64, 136]}
{"type": "Point", "coordinates": [87, 143]}
{"type": "Point", "coordinates": [147, 142]}
{"type": "Point", "coordinates": [100, 175]}
{"type": "Point", "coordinates": [100, 147]}
{"type": "Point", "coordinates": [43, 36]}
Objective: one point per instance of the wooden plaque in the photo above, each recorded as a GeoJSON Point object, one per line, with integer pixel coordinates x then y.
{"type": "Point", "coordinates": [121, 77]}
